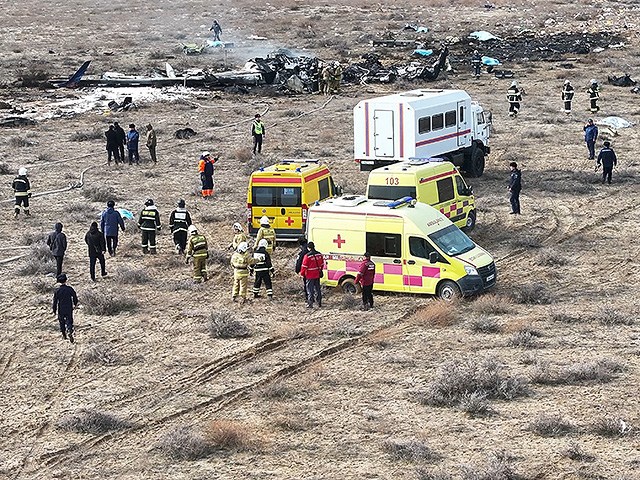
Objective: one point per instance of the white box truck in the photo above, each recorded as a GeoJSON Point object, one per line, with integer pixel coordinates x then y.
{"type": "Point", "coordinates": [421, 123]}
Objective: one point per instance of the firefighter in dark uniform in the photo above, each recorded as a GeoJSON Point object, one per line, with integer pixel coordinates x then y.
{"type": "Point", "coordinates": [263, 269]}
{"type": "Point", "coordinates": [514, 97]}
{"type": "Point", "coordinates": [199, 250]}
{"type": "Point", "coordinates": [149, 223]}
{"type": "Point", "coordinates": [567, 96]}
{"type": "Point", "coordinates": [608, 159]}
{"type": "Point", "coordinates": [476, 63]}
{"type": "Point", "coordinates": [179, 222]}
{"type": "Point", "coordinates": [515, 185]}
{"type": "Point", "coordinates": [65, 301]}
{"type": "Point", "coordinates": [22, 192]}
{"type": "Point", "coordinates": [594, 96]}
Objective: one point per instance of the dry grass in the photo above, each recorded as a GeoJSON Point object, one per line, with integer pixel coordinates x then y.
{"type": "Point", "coordinates": [497, 467]}
{"type": "Point", "coordinates": [42, 285]}
{"type": "Point", "coordinates": [132, 276]}
{"type": "Point", "coordinates": [492, 304]}
{"type": "Point", "coordinates": [485, 325]}
{"type": "Point", "coordinates": [408, 449]}
{"type": "Point", "coordinates": [231, 435]}
{"type": "Point", "coordinates": [609, 316]}
{"type": "Point", "coordinates": [535, 293]}
{"type": "Point", "coordinates": [573, 451]}
{"type": "Point", "coordinates": [524, 338]}
{"type": "Point", "coordinates": [350, 302]}
{"type": "Point", "coordinates": [610, 426]}
{"type": "Point", "coordinates": [39, 261]}
{"type": "Point", "coordinates": [100, 353]}
{"type": "Point", "coordinates": [437, 314]}
{"type": "Point", "coordinates": [424, 474]}
{"type": "Point", "coordinates": [550, 425]}
{"type": "Point", "coordinates": [278, 389]}
{"type": "Point", "coordinates": [224, 324]}
{"type": "Point", "coordinates": [183, 443]}
{"type": "Point", "coordinates": [99, 193]}
{"type": "Point", "coordinates": [348, 327]}
{"type": "Point", "coordinates": [92, 421]}
{"type": "Point", "coordinates": [107, 302]}
{"type": "Point", "coordinates": [87, 135]}
{"type": "Point", "coordinates": [601, 370]}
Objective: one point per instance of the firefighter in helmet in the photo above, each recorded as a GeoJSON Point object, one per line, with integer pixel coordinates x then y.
{"type": "Point", "coordinates": [179, 222]}
{"type": "Point", "coordinates": [241, 261]}
{"type": "Point", "coordinates": [238, 236]}
{"type": "Point", "coordinates": [268, 233]}
{"type": "Point", "coordinates": [263, 270]}
{"type": "Point", "coordinates": [199, 251]}
{"type": "Point", "coordinates": [149, 223]}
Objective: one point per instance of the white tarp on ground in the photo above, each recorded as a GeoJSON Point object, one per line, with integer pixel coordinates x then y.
{"type": "Point", "coordinates": [483, 36]}
{"type": "Point", "coordinates": [615, 122]}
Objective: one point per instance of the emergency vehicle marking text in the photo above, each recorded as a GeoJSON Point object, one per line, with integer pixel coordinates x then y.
{"type": "Point", "coordinates": [392, 181]}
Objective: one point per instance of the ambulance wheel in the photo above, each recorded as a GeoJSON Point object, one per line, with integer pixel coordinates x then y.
{"type": "Point", "coordinates": [475, 167]}
{"type": "Point", "coordinates": [471, 222]}
{"type": "Point", "coordinates": [349, 286]}
{"type": "Point", "coordinates": [448, 290]}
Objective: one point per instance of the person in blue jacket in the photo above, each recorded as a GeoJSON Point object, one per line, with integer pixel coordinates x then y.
{"type": "Point", "coordinates": [590, 136]}
{"type": "Point", "coordinates": [133, 137]}
{"type": "Point", "coordinates": [109, 223]}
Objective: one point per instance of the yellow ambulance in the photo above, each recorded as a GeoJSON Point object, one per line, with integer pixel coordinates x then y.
{"type": "Point", "coordinates": [415, 248]}
{"type": "Point", "coordinates": [283, 192]}
{"type": "Point", "coordinates": [429, 180]}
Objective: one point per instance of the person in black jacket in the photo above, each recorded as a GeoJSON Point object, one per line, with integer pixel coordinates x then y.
{"type": "Point", "coordinates": [515, 185]}
{"type": "Point", "coordinates": [121, 139]}
{"type": "Point", "coordinates": [263, 269]}
{"type": "Point", "coordinates": [57, 242]}
{"type": "Point", "coordinates": [149, 223]}
{"type": "Point", "coordinates": [112, 145]}
{"type": "Point", "coordinates": [179, 222]}
{"type": "Point", "coordinates": [302, 242]}
{"type": "Point", "coordinates": [97, 246]}
{"type": "Point", "coordinates": [64, 302]}
{"type": "Point", "coordinates": [608, 159]}
{"type": "Point", "coordinates": [22, 191]}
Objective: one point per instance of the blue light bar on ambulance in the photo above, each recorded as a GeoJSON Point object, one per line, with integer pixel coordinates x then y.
{"type": "Point", "coordinates": [399, 202]}
{"type": "Point", "coordinates": [423, 161]}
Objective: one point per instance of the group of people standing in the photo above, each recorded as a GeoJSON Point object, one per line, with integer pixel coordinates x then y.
{"type": "Point", "coordinates": [514, 97]}
{"type": "Point", "coordinates": [118, 140]}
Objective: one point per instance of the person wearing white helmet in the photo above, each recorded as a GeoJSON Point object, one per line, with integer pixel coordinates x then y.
{"type": "Point", "coordinates": [205, 167]}
{"type": "Point", "coordinates": [567, 96]}
{"type": "Point", "coordinates": [514, 97]}
{"type": "Point", "coordinates": [241, 261]}
{"type": "Point", "coordinates": [594, 96]}
{"type": "Point", "coordinates": [22, 192]}
{"type": "Point", "coordinates": [238, 236]}
{"type": "Point", "coordinates": [199, 251]}
{"type": "Point", "coordinates": [179, 222]}
{"type": "Point", "coordinates": [149, 223]}
{"type": "Point", "coordinates": [476, 63]}
{"type": "Point", "coordinates": [263, 269]}
{"type": "Point", "coordinates": [268, 233]}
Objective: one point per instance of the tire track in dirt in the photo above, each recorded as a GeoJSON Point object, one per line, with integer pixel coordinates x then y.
{"type": "Point", "coordinates": [5, 362]}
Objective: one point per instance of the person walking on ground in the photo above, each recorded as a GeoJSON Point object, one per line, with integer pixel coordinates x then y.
{"type": "Point", "coordinates": [94, 239]}
{"type": "Point", "coordinates": [121, 139]}
{"type": "Point", "coordinates": [590, 137]}
{"type": "Point", "coordinates": [240, 261]}
{"type": "Point", "coordinates": [179, 223]}
{"type": "Point", "coordinates": [149, 223]}
{"type": "Point", "coordinates": [110, 220]}
{"type": "Point", "coordinates": [263, 269]}
{"type": "Point", "coordinates": [22, 192]}
{"type": "Point", "coordinates": [57, 242]}
{"type": "Point", "coordinates": [152, 142]}
{"type": "Point", "coordinates": [268, 233]}
{"type": "Point", "coordinates": [199, 251]}
{"type": "Point", "coordinates": [65, 301]}
{"type": "Point", "coordinates": [608, 159]}
{"type": "Point", "coordinates": [217, 30]}
{"type": "Point", "coordinates": [567, 96]}
{"type": "Point", "coordinates": [238, 236]}
{"type": "Point", "coordinates": [311, 271]}
{"type": "Point", "coordinates": [365, 277]}
{"type": "Point", "coordinates": [205, 167]}
{"type": "Point", "coordinates": [336, 77]}
{"type": "Point", "coordinates": [133, 138]}
{"type": "Point", "coordinates": [302, 243]}
{"type": "Point", "coordinates": [514, 97]}
{"type": "Point", "coordinates": [258, 132]}
{"type": "Point", "coordinates": [594, 96]}
{"type": "Point", "coordinates": [112, 145]}
{"type": "Point", "coordinates": [476, 63]}
{"type": "Point", "coordinates": [515, 185]}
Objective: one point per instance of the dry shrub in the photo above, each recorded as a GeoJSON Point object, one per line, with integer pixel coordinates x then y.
{"type": "Point", "coordinates": [485, 325]}
{"type": "Point", "coordinates": [132, 276]}
{"type": "Point", "coordinates": [497, 468]}
{"type": "Point", "coordinates": [491, 304]}
{"type": "Point", "coordinates": [92, 421]}
{"type": "Point", "coordinates": [243, 155]}
{"type": "Point", "coordinates": [424, 474]}
{"type": "Point", "coordinates": [107, 302]}
{"type": "Point", "coordinates": [350, 302]}
{"type": "Point", "coordinates": [223, 324]}
{"type": "Point", "coordinates": [438, 314]}
{"type": "Point", "coordinates": [549, 257]}
{"type": "Point", "coordinates": [100, 353]}
{"type": "Point", "coordinates": [219, 257]}
{"type": "Point", "coordinates": [87, 135]}
{"type": "Point", "coordinates": [412, 450]}
{"type": "Point", "coordinates": [550, 425]}
{"type": "Point", "coordinates": [573, 451]}
{"type": "Point", "coordinates": [456, 379]}
{"type": "Point", "coordinates": [80, 212]}
{"type": "Point", "coordinates": [610, 316]}
{"type": "Point", "coordinates": [5, 169]}
{"type": "Point", "coordinates": [293, 422]}
{"type": "Point", "coordinates": [30, 238]}
{"type": "Point", "coordinates": [610, 427]}
{"type": "Point", "coordinates": [531, 294]}
{"type": "Point", "coordinates": [348, 327]}
{"type": "Point", "coordinates": [475, 404]}
{"type": "Point", "coordinates": [39, 261]}
{"type": "Point", "coordinates": [541, 373]}
{"type": "Point", "coordinates": [183, 443]}
{"type": "Point", "coordinates": [180, 285]}
{"type": "Point", "coordinates": [41, 285]}
{"type": "Point", "coordinates": [292, 286]}
{"type": "Point", "coordinates": [16, 142]}
{"type": "Point", "coordinates": [230, 435]}
{"type": "Point", "coordinates": [276, 389]}
{"type": "Point", "coordinates": [99, 193]}
{"type": "Point", "coordinates": [562, 316]}
{"type": "Point", "coordinates": [294, 332]}
{"type": "Point", "coordinates": [601, 370]}
{"type": "Point", "coordinates": [524, 338]}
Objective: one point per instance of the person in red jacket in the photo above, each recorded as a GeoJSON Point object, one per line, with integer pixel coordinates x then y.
{"type": "Point", "coordinates": [311, 271]}
{"type": "Point", "coordinates": [366, 274]}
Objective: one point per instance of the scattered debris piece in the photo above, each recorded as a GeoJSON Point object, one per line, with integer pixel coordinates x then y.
{"type": "Point", "coordinates": [185, 133]}
{"type": "Point", "coordinates": [393, 43]}
{"type": "Point", "coordinates": [416, 28]}
{"type": "Point", "coordinates": [256, 37]}
{"type": "Point", "coordinates": [424, 53]}
{"type": "Point", "coordinates": [16, 122]}
{"type": "Point", "coordinates": [126, 214]}
{"type": "Point", "coordinates": [491, 62]}
{"type": "Point", "coordinates": [635, 90]}
{"type": "Point", "coordinates": [483, 36]}
{"type": "Point", "coordinates": [125, 106]}
{"type": "Point", "coordinates": [219, 44]}
{"type": "Point", "coordinates": [623, 81]}
{"type": "Point", "coordinates": [192, 48]}
{"type": "Point", "coordinates": [503, 73]}
{"type": "Point", "coordinates": [5, 105]}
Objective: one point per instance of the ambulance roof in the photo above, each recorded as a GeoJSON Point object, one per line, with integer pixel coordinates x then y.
{"type": "Point", "coordinates": [293, 168]}
{"type": "Point", "coordinates": [422, 166]}
{"type": "Point", "coordinates": [419, 214]}
{"type": "Point", "coordinates": [422, 97]}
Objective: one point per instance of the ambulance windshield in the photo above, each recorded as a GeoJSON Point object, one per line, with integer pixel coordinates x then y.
{"type": "Point", "coordinates": [452, 241]}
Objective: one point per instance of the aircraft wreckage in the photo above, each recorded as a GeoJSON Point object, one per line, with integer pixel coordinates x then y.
{"type": "Point", "coordinates": [281, 68]}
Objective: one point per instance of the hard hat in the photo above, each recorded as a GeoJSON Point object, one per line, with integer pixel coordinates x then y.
{"type": "Point", "coordinates": [181, 203]}
{"type": "Point", "coordinates": [567, 82]}
{"type": "Point", "coordinates": [243, 247]}
{"type": "Point", "coordinates": [514, 84]}
{"type": "Point", "coordinates": [206, 154]}
{"type": "Point", "coordinates": [475, 52]}
{"type": "Point", "coordinates": [192, 230]}
{"type": "Point", "coordinates": [22, 171]}
{"type": "Point", "coordinates": [237, 226]}
{"type": "Point", "coordinates": [264, 221]}
{"type": "Point", "coordinates": [148, 202]}
{"type": "Point", "coordinates": [593, 80]}
{"type": "Point", "coordinates": [263, 243]}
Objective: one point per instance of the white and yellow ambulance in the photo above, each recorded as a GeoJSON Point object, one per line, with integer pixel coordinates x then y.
{"type": "Point", "coordinates": [415, 248]}
{"type": "Point", "coordinates": [429, 180]}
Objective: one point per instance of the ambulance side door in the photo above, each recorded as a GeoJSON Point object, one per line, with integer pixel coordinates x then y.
{"type": "Point", "coordinates": [386, 253]}
{"type": "Point", "coordinates": [420, 275]}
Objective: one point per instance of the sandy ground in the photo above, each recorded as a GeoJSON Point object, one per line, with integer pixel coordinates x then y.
{"type": "Point", "coordinates": [318, 392]}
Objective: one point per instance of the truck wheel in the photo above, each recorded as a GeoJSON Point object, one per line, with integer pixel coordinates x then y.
{"type": "Point", "coordinates": [448, 290]}
{"type": "Point", "coordinates": [471, 222]}
{"type": "Point", "coordinates": [349, 286]}
{"type": "Point", "coordinates": [475, 167]}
